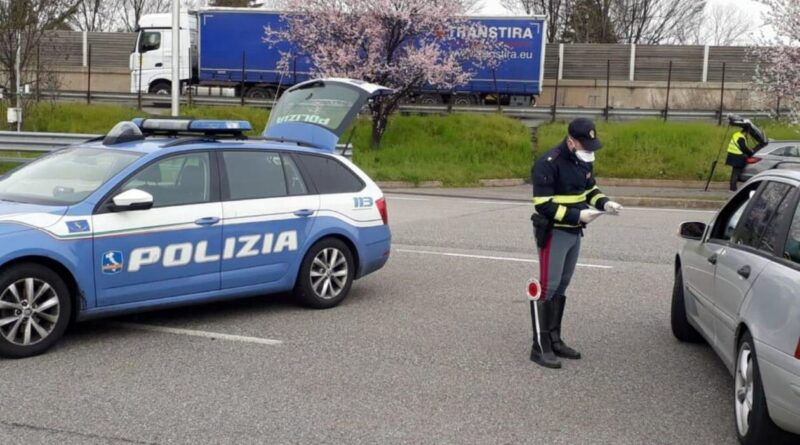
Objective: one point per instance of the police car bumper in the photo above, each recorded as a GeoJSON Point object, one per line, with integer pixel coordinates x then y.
{"type": "Point", "coordinates": [376, 250]}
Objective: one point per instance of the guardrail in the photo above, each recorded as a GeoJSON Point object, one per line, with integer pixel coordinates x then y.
{"type": "Point", "coordinates": [524, 113]}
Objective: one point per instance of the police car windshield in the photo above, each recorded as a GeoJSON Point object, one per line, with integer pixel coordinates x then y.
{"type": "Point", "coordinates": [64, 177]}
{"type": "Point", "coordinates": [326, 105]}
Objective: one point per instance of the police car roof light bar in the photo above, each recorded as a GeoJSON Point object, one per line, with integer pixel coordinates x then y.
{"type": "Point", "coordinates": [175, 126]}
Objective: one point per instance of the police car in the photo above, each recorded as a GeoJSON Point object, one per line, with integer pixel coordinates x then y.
{"type": "Point", "coordinates": [166, 212]}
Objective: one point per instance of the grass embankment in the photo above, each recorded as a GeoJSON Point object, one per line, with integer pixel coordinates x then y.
{"type": "Point", "coordinates": [660, 150]}
{"type": "Point", "coordinates": [461, 149]}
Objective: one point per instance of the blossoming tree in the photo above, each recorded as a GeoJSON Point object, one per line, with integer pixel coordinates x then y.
{"type": "Point", "coordinates": [778, 72]}
{"type": "Point", "coordinates": [400, 44]}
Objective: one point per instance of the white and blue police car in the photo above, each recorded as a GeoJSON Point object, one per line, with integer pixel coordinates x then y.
{"type": "Point", "coordinates": [167, 212]}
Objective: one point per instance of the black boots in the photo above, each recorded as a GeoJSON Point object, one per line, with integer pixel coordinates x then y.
{"type": "Point", "coordinates": [542, 350]}
{"type": "Point", "coordinates": [556, 314]}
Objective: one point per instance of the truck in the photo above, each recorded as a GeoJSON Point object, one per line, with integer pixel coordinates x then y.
{"type": "Point", "coordinates": [225, 49]}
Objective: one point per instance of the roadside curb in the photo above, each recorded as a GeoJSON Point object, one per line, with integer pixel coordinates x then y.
{"type": "Point", "coordinates": [629, 201]}
{"type": "Point", "coordinates": [607, 182]}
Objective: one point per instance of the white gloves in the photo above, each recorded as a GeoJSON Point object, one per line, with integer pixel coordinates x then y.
{"type": "Point", "coordinates": [589, 215]}
{"type": "Point", "coordinates": [612, 208]}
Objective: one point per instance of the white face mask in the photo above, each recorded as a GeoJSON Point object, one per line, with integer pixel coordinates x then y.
{"type": "Point", "coordinates": [585, 156]}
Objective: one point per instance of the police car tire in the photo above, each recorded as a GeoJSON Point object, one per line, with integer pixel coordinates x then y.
{"type": "Point", "coordinates": [47, 275]}
{"type": "Point", "coordinates": [304, 290]}
{"type": "Point", "coordinates": [681, 328]}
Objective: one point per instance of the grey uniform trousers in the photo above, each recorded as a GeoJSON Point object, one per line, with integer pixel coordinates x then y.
{"type": "Point", "coordinates": [557, 261]}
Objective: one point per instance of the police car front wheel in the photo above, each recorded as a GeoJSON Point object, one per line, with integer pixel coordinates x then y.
{"type": "Point", "coordinates": [34, 310]}
{"type": "Point", "coordinates": [326, 274]}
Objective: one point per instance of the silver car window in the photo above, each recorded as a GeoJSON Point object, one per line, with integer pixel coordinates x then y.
{"type": "Point", "coordinates": [791, 250]}
{"type": "Point", "coordinates": [762, 214]}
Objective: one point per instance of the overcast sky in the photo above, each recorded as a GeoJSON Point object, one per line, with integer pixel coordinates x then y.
{"type": "Point", "coordinates": [752, 8]}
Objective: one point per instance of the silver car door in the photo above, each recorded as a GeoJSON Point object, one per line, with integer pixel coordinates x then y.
{"type": "Point", "coordinates": [751, 249]}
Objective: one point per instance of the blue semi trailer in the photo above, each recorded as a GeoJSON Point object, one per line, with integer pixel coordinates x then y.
{"type": "Point", "coordinates": [225, 48]}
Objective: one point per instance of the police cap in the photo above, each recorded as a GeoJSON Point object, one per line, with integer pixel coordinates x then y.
{"type": "Point", "coordinates": [584, 131]}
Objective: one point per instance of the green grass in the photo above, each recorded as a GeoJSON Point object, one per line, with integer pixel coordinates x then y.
{"type": "Point", "coordinates": [457, 149]}
{"type": "Point", "coordinates": [660, 150]}
{"type": "Point", "coordinates": [461, 149]}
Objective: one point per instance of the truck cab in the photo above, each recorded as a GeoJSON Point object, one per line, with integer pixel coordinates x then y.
{"type": "Point", "coordinates": [151, 59]}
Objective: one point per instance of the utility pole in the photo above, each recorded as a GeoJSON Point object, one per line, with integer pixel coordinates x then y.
{"type": "Point", "coordinates": [19, 82]}
{"type": "Point", "coordinates": [176, 56]}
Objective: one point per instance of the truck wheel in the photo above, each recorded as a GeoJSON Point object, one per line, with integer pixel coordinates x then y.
{"type": "Point", "coordinates": [326, 274]}
{"type": "Point", "coordinates": [464, 100]}
{"type": "Point", "coordinates": [35, 308]}
{"type": "Point", "coordinates": [533, 101]}
{"type": "Point", "coordinates": [429, 99]}
{"type": "Point", "coordinates": [260, 93]}
{"type": "Point", "coordinates": [162, 88]}
{"type": "Point", "coordinates": [681, 328]}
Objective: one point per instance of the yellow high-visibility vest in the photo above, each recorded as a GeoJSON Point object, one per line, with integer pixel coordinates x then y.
{"type": "Point", "coordinates": [733, 147]}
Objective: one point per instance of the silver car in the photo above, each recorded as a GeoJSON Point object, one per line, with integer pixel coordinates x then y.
{"type": "Point", "coordinates": [774, 155]}
{"type": "Point", "coordinates": [737, 286]}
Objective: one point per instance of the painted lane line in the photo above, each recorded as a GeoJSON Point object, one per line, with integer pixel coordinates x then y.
{"type": "Point", "coordinates": [193, 333]}
{"type": "Point", "coordinates": [487, 257]}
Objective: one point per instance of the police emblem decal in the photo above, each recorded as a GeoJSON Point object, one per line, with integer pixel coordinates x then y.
{"type": "Point", "coordinates": [78, 226]}
{"type": "Point", "coordinates": [591, 134]}
{"type": "Point", "coordinates": [112, 262]}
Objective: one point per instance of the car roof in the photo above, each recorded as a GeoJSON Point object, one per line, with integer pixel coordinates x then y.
{"type": "Point", "coordinates": [154, 145]}
{"type": "Point", "coordinates": [786, 174]}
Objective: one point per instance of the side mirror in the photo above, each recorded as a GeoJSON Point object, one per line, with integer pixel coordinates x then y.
{"type": "Point", "coordinates": [692, 230]}
{"type": "Point", "coordinates": [133, 199]}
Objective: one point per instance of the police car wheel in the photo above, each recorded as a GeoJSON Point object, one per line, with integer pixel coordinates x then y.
{"type": "Point", "coordinates": [681, 328]}
{"type": "Point", "coordinates": [326, 274]}
{"type": "Point", "coordinates": [35, 308]}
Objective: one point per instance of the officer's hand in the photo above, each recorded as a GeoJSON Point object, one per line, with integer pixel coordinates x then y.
{"type": "Point", "coordinates": [612, 207]}
{"type": "Point", "coordinates": [589, 215]}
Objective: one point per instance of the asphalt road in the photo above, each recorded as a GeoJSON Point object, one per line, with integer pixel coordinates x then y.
{"type": "Point", "coordinates": [432, 349]}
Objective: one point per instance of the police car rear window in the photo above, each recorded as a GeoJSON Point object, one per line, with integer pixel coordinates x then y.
{"type": "Point", "coordinates": [330, 176]}
{"type": "Point", "coordinates": [257, 175]}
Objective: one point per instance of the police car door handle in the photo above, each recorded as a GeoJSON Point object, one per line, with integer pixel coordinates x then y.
{"type": "Point", "coordinates": [304, 212]}
{"type": "Point", "coordinates": [209, 221]}
{"type": "Point", "coordinates": [713, 259]}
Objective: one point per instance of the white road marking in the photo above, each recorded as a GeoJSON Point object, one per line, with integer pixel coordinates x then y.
{"type": "Point", "coordinates": [487, 257]}
{"type": "Point", "coordinates": [193, 333]}
{"type": "Point", "coordinates": [403, 198]}
{"type": "Point", "coordinates": [520, 202]}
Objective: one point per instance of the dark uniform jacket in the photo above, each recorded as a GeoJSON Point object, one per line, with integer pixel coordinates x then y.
{"type": "Point", "coordinates": [563, 185]}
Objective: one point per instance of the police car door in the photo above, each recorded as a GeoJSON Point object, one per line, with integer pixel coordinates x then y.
{"type": "Point", "coordinates": [269, 214]}
{"type": "Point", "coordinates": [172, 249]}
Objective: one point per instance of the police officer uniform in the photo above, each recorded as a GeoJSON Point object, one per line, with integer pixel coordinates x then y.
{"type": "Point", "coordinates": [737, 157]}
{"type": "Point", "coordinates": [563, 186]}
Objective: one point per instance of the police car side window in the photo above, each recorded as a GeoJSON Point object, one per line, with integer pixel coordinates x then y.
{"type": "Point", "coordinates": [294, 180]}
{"type": "Point", "coordinates": [179, 180]}
{"type": "Point", "coordinates": [254, 175]}
{"type": "Point", "coordinates": [330, 176]}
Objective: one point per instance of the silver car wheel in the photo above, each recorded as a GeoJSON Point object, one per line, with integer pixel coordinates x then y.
{"type": "Point", "coordinates": [743, 389]}
{"type": "Point", "coordinates": [329, 272]}
{"type": "Point", "coordinates": [29, 311]}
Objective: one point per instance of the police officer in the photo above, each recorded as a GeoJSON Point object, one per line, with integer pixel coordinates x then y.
{"type": "Point", "coordinates": [737, 157]}
{"type": "Point", "coordinates": [564, 191]}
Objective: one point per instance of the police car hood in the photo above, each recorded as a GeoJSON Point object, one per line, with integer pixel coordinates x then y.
{"type": "Point", "coordinates": [17, 216]}
{"type": "Point", "coordinates": [316, 113]}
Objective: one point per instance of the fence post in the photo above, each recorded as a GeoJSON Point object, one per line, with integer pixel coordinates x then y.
{"type": "Point", "coordinates": [705, 64]}
{"type": "Point", "coordinates": [84, 48]}
{"type": "Point", "coordinates": [560, 61]}
{"type": "Point", "coordinates": [632, 68]}
{"type": "Point", "coordinates": [241, 87]}
{"type": "Point", "coordinates": [608, 88]}
{"type": "Point", "coordinates": [38, 71]}
{"type": "Point", "coordinates": [669, 87]}
{"type": "Point", "coordinates": [555, 102]}
{"type": "Point", "coordinates": [89, 77]}
{"type": "Point", "coordinates": [722, 95]}
{"type": "Point", "coordinates": [139, 89]}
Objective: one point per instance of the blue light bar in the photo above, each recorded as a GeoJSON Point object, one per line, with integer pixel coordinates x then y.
{"type": "Point", "coordinates": [178, 125]}
{"type": "Point", "coordinates": [206, 125]}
